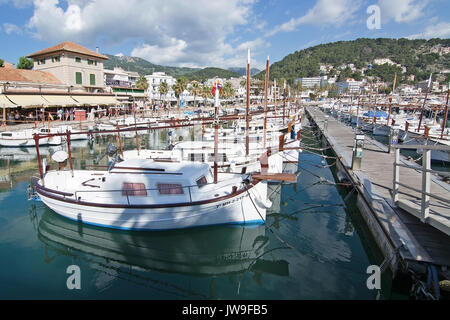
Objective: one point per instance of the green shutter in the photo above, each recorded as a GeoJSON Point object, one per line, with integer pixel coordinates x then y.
{"type": "Point", "coordinates": [78, 79]}
{"type": "Point", "coordinates": [92, 79]}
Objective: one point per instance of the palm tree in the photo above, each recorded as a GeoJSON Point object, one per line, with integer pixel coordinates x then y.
{"type": "Point", "coordinates": [163, 89]}
{"type": "Point", "coordinates": [179, 86]}
{"type": "Point", "coordinates": [206, 92]}
{"type": "Point", "coordinates": [195, 89]}
{"type": "Point", "coordinates": [228, 90]}
{"type": "Point", "coordinates": [142, 83]}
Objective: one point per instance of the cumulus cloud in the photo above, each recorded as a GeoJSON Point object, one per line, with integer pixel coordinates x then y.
{"type": "Point", "coordinates": [11, 28]}
{"type": "Point", "coordinates": [324, 13]}
{"type": "Point", "coordinates": [175, 32]}
{"type": "Point", "coordinates": [439, 30]}
{"type": "Point", "coordinates": [402, 11]}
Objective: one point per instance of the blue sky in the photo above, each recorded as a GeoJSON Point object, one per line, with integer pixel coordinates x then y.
{"type": "Point", "coordinates": [200, 33]}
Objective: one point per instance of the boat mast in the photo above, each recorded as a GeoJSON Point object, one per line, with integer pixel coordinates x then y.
{"type": "Point", "coordinates": [424, 101]}
{"type": "Point", "coordinates": [444, 122]}
{"type": "Point", "coordinates": [247, 113]}
{"type": "Point", "coordinates": [216, 129]}
{"type": "Point", "coordinates": [284, 101]}
{"type": "Point", "coordinates": [266, 88]}
{"type": "Point", "coordinates": [390, 100]}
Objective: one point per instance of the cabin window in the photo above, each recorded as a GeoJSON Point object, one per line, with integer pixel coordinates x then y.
{"type": "Point", "coordinates": [133, 189]}
{"type": "Point", "coordinates": [6, 134]}
{"type": "Point", "coordinates": [200, 157]}
{"type": "Point", "coordinates": [202, 181]}
{"type": "Point", "coordinates": [220, 156]}
{"type": "Point", "coordinates": [170, 188]}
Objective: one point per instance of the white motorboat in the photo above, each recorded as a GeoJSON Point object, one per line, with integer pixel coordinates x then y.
{"type": "Point", "coordinates": [25, 138]}
{"type": "Point", "coordinates": [146, 195]}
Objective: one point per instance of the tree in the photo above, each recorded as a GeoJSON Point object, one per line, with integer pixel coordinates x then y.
{"type": "Point", "coordinates": [228, 90]}
{"type": "Point", "coordinates": [25, 63]}
{"type": "Point", "coordinates": [178, 88]}
{"type": "Point", "coordinates": [1, 62]}
{"type": "Point", "coordinates": [206, 92]}
{"type": "Point", "coordinates": [195, 89]}
{"type": "Point", "coordinates": [163, 89]}
{"type": "Point", "coordinates": [142, 83]}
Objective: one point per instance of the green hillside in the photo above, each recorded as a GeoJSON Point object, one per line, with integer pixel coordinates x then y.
{"type": "Point", "coordinates": [415, 55]}
{"type": "Point", "coordinates": [143, 67]}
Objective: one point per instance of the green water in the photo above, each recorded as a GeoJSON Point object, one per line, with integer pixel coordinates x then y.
{"type": "Point", "coordinates": [314, 245]}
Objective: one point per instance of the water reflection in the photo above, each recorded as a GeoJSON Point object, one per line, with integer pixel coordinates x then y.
{"type": "Point", "coordinates": [234, 250]}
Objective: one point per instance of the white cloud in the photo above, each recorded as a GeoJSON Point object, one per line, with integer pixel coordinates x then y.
{"type": "Point", "coordinates": [10, 28]}
{"type": "Point", "coordinates": [324, 13]}
{"type": "Point", "coordinates": [402, 10]}
{"type": "Point", "coordinates": [439, 30]}
{"type": "Point", "coordinates": [173, 32]}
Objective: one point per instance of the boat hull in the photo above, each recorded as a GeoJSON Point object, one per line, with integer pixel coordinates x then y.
{"type": "Point", "coordinates": [244, 207]}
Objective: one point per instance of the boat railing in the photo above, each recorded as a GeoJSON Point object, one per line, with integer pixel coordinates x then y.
{"type": "Point", "coordinates": [423, 211]}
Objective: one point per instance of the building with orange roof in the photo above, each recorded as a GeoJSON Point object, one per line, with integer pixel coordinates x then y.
{"type": "Point", "coordinates": [73, 65]}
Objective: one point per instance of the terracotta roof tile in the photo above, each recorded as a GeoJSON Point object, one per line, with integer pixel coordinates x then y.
{"type": "Point", "coordinates": [70, 47]}
{"type": "Point", "coordinates": [23, 75]}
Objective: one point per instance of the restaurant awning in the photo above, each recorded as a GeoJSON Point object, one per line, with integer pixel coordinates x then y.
{"type": "Point", "coordinates": [95, 100]}
{"type": "Point", "coordinates": [27, 101]}
{"type": "Point", "coordinates": [6, 103]}
{"type": "Point", "coordinates": [63, 100]}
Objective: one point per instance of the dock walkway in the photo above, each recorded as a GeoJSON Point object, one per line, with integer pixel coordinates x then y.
{"type": "Point", "coordinates": [395, 230]}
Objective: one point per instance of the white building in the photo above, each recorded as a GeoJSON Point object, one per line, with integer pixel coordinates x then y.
{"type": "Point", "coordinates": [349, 86]}
{"type": "Point", "coordinates": [154, 81]}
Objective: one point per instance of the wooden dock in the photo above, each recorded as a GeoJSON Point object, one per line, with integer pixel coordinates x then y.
{"type": "Point", "coordinates": [400, 235]}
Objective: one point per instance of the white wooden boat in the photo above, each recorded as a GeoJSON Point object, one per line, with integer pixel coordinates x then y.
{"type": "Point", "coordinates": [145, 195]}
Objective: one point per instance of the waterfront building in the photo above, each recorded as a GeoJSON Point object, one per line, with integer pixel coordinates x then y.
{"type": "Point", "coordinates": [74, 65]}
{"type": "Point", "coordinates": [154, 81]}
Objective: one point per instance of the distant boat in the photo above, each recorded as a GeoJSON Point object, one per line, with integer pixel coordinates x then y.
{"type": "Point", "coordinates": [24, 138]}
{"type": "Point", "coordinates": [142, 194]}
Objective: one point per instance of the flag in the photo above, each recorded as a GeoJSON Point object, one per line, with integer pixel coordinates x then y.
{"type": "Point", "coordinates": [218, 85]}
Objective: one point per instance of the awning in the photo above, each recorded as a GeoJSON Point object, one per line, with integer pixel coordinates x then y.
{"type": "Point", "coordinates": [95, 100]}
{"type": "Point", "coordinates": [60, 100]}
{"type": "Point", "coordinates": [6, 103]}
{"type": "Point", "coordinates": [27, 101]}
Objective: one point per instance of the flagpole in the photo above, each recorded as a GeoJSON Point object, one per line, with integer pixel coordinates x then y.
{"type": "Point", "coordinates": [424, 101]}
{"type": "Point", "coordinates": [247, 120]}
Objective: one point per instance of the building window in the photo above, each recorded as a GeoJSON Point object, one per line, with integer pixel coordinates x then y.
{"type": "Point", "coordinates": [90, 62]}
{"type": "Point", "coordinates": [95, 63]}
{"type": "Point", "coordinates": [92, 79]}
{"type": "Point", "coordinates": [167, 188]}
{"type": "Point", "coordinates": [42, 61]}
{"type": "Point", "coordinates": [56, 59]}
{"type": "Point", "coordinates": [78, 78]}
{"type": "Point", "coordinates": [77, 59]}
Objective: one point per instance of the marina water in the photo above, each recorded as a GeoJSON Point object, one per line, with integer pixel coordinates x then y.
{"type": "Point", "coordinates": [314, 245]}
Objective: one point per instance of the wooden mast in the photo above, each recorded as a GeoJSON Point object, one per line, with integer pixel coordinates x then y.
{"type": "Point", "coordinates": [266, 88]}
{"type": "Point", "coordinates": [444, 122]}
{"type": "Point", "coordinates": [424, 101]}
{"type": "Point", "coordinates": [284, 101]}
{"type": "Point", "coordinates": [247, 113]}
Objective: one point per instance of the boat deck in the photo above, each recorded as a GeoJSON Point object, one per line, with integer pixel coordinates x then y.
{"type": "Point", "coordinates": [392, 226]}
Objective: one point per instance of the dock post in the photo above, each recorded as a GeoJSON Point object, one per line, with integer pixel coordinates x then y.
{"type": "Point", "coordinates": [325, 123]}
{"type": "Point", "coordinates": [393, 138]}
{"type": "Point", "coordinates": [395, 187]}
{"type": "Point", "coordinates": [357, 151]}
{"type": "Point", "coordinates": [426, 184]}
